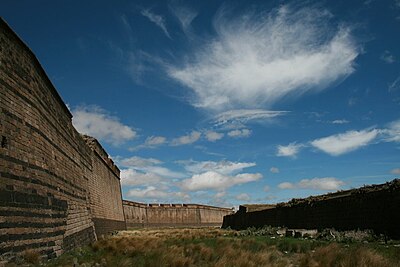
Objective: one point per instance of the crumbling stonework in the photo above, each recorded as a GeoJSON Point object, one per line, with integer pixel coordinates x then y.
{"type": "Point", "coordinates": [51, 181]}
{"type": "Point", "coordinates": [177, 215]}
{"type": "Point", "coordinates": [374, 207]}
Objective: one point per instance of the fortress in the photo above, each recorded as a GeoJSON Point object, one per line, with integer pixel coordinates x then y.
{"type": "Point", "coordinates": [58, 188]}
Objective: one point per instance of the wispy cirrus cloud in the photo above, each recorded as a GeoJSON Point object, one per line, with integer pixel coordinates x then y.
{"type": "Point", "coordinates": [342, 143]}
{"type": "Point", "coordinates": [258, 58]}
{"type": "Point", "coordinates": [156, 19]}
{"type": "Point", "coordinates": [151, 142]}
{"type": "Point", "coordinates": [388, 57]}
{"type": "Point", "coordinates": [97, 122]}
{"type": "Point", "coordinates": [185, 16]}
{"type": "Point", "coordinates": [326, 183]}
{"type": "Point", "coordinates": [341, 121]}
{"type": "Point", "coordinates": [237, 118]}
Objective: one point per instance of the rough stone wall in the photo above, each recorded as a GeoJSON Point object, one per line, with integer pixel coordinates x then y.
{"type": "Point", "coordinates": [152, 215]}
{"type": "Point", "coordinates": [45, 165]}
{"type": "Point", "coordinates": [372, 207]}
{"type": "Point", "coordinates": [104, 191]}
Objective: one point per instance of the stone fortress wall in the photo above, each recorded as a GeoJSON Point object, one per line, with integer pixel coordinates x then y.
{"type": "Point", "coordinates": [57, 188]}
{"type": "Point", "coordinates": [375, 207]}
{"type": "Point", "coordinates": [177, 215]}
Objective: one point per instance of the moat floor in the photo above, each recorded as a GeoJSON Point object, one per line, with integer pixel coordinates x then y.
{"type": "Point", "coordinates": [217, 247]}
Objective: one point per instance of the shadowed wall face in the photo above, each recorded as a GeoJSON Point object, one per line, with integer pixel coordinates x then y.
{"type": "Point", "coordinates": [373, 207]}
{"type": "Point", "coordinates": [46, 169]}
{"type": "Point", "coordinates": [143, 215]}
{"type": "Point", "coordinates": [104, 191]}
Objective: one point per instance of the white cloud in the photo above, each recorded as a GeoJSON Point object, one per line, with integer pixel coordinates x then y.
{"type": "Point", "coordinates": [395, 85]}
{"type": "Point", "coordinates": [185, 17]}
{"type": "Point", "coordinates": [258, 59]}
{"type": "Point", "coordinates": [286, 185]}
{"type": "Point", "coordinates": [152, 192]}
{"type": "Point", "coordinates": [217, 181]}
{"type": "Point", "coordinates": [213, 136]}
{"type": "Point", "coordinates": [131, 177]}
{"type": "Point", "coordinates": [155, 140]}
{"type": "Point", "coordinates": [157, 19]}
{"type": "Point", "coordinates": [274, 170]}
{"type": "Point", "coordinates": [220, 194]}
{"type": "Point", "coordinates": [186, 139]}
{"type": "Point", "coordinates": [266, 188]}
{"type": "Point", "coordinates": [242, 116]}
{"type": "Point", "coordinates": [387, 57]}
{"type": "Point", "coordinates": [138, 162]}
{"type": "Point", "coordinates": [326, 183]}
{"type": "Point", "coordinates": [223, 167]}
{"type": "Point", "coordinates": [149, 166]}
{"type": "Point", "coordinates": [395, 171]}
{"type": "Point", "coordinates": [290, 150]}
{"type": "Point", "coordinates": [342, 121]}
{"type": "Point", "coordinates": [392, 132]}
{"type": "Point", "coordinates": [339, 144]}
{"type": "Point", "coordinates": [239, 133]}
{"type": "Point", "coordinates": [96, 122]}
{"type": "Point", "coordinates": [243, 197]}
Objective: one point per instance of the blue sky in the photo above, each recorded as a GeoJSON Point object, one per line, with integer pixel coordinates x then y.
{"type": "Point", "coordinates": [231, 102]}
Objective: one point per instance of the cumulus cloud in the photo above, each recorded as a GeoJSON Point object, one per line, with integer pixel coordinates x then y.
{"type": "Point", "coordinates": [395, 171]}
{"type": "Point", "coordinates": [243, 197]}
{"type": "Point", "coordinates": [152, 192]}
{"type": "Point", "coordinates": [239, 117]}
{"type": "Point", "coordinates": [96, 122]}
{"type": "Point", "coordinates": [223, 167]}
{"type": "Point", "coordinates": [186, 139]}
{"type": "Point", "coordinates": [239, 133]}
{"type": "Point", "coordinates": [290, 150]}
{"type": "Point", "coordinates": [274, 170]}
{"type": "Point", "coordinates": [213, 136]}
{"type": "Point", "coordinates": [155, 140]}
{"type": "Point", "coordinates": [286, 185]}
{"type": "Point", "coordinates": [326, 183]}
{"type": "Point", "coordinates": [217, 181]}
{"type": "Point", "coordinates": [156, 19]}
{"type": "Point", "coordinates": [387, 57]}
{"type": "Point", "coordinates": [339, 144]}
{"type": "Point", "coordinates": [131, 177]}
{"type": "Point", "coordinates": [257, 59]}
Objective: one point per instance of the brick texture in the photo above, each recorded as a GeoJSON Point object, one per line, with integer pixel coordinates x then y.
{"type": "Point", "coordinates": [154, 215]}
{"type": "Point", "coordinates": [50, 179]}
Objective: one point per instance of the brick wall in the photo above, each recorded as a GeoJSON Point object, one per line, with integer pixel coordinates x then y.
{"type": "Point", "coordinates": [148, 215]}
{"type": "Point", "coordinates": [104, 191]}
{"type": "Point", "coordinates": [371, 207]}
{"type": "Point", "coordinates": [46, 168]}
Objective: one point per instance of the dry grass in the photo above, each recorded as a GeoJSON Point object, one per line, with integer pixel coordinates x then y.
{"type": "Point", "coordinates": [31, 256]}
{"type": "Point", "coordinates": [216, 247]}
{"type": "Point", "coordinates": [334, 255]}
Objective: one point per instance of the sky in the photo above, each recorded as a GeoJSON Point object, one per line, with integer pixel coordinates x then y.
{"type": "Point", "coordinates": [227, 102]}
